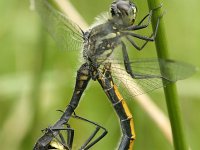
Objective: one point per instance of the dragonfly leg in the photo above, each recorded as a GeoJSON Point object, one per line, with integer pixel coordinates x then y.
{"type": "Point", "coordinates": [145, 38]}
{"type": "Point", "coordinates": [128, 68]}
{"type": "Point", "coordinates": [121, 109]}
{"type": "Point", "coordinates": [59, 140]}
{"type": "Point", "coordinates": [149, 15]}
{"type": "Point", "coordinates": [82, 79]}
{"type": "Point", "coordinates": [126, 60]}
{"type": "Point", "coordinates": [88, 144]}
{"type": "Point", "coordinates": [135, 45]}
{"type": "Point", "coordinates": [139, 26]}
{"type": "Point", "coordinates": [70, 137]}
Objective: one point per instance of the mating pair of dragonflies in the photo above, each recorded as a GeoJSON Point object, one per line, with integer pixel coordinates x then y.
{"type": "Point", "coordinates": [99, 45]}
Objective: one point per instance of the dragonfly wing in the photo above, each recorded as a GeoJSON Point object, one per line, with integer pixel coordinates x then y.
{"type": "Point", "coordinates": [153, 73]}
{"type": "Point", "coordinates": [165, 68]}
{"type": "Point", "coordinates": [65, 32]}
{"type": "Point", "coordinates": [134, 86]}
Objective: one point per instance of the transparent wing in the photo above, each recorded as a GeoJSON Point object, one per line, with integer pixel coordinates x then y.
{"type": "Point", "coordinates": [168, 69]}
{"type": "Point", "coordinates": [65, 32]}
{"type": "Point", "coordinates": [151, 76]}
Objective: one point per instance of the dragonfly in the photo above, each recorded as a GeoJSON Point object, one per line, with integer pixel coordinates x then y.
{"type": "Point", "coordinates": [98, 45]}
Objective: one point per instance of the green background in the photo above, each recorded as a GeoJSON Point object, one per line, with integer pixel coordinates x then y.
{"type": "Point", "coordinates": [36, 78]}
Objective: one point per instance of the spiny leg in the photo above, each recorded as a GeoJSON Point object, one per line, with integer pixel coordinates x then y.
{"type": "Point", "coordinates": [59, 141]}
{"type": "Point", "coordinates": [121, 109]}
{"type": "Point", "coordinates": [126, 60]}
{"type": "Point", "coordinates": [135, 45]}
{"type": "Point", "coordinates": [127, 65]}
{"type": "Point", "coordinates": [70, 135]}
{"type": "Point", "coordinates": [146, 38]}
{"type": "Point", "coordinates": [88, 144]}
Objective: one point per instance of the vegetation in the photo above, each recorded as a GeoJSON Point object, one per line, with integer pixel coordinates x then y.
{"type": "Point", "coordinates": [36, 78]}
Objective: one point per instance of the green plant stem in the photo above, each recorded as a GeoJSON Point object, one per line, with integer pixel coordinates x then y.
{"type": "Point", "coordinates": [172, 102]}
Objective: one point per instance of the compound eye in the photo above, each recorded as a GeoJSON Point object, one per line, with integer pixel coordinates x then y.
{"type": "Point", "coordinates": [121, 8]}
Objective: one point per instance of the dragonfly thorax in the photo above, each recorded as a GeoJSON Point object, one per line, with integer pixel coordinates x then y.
{"type": "Point", "coordinates": [100, 42]}
{"type": "Point", "coordinates": [123, 12]}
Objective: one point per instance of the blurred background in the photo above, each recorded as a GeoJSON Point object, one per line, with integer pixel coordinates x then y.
{"type": "Point", "coordinates": [36, 78]}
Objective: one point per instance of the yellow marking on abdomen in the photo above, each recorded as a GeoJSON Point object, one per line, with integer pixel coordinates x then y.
{"type": "Point", "coordinates": [129, 116]}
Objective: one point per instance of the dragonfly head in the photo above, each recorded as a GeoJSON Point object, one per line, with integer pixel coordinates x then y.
{"type": "Point", "coordinates": [123, 12]}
